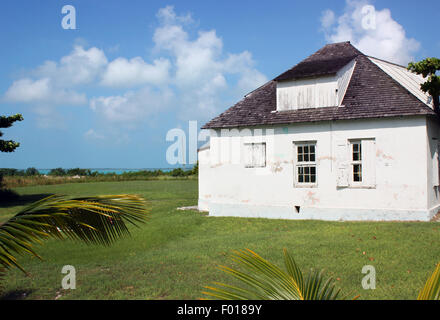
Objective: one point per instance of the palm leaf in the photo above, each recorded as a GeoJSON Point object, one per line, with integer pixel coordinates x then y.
{"type": "Point", "coordinates": [93, 220]}
{"type": "Point", "coordinates": [431, 290]}
{"type": "Point", "coordinates": [265, 281]}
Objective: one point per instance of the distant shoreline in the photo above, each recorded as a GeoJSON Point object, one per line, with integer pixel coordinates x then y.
{"type": "Point", "coordinates": [44, 171]}
{"type": "Point", "coordinates": [122, 170]}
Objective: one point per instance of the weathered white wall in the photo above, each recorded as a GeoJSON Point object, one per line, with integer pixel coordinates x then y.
{"type": "Point", "coordinates": [204, 174]}
{"type": "Point", "coordinates": [401, 192]}
{"type": "Point", "coordinates": [433, 179]}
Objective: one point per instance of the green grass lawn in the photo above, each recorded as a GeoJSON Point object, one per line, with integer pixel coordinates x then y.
{"type": "Point", "coordinates": [175, 254]}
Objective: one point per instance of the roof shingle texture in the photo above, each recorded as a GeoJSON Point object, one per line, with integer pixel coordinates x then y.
{"type": "Point", "coordinates": [371, 93]}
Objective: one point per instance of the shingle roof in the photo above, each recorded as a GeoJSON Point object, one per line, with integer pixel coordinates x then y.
{"type": "Point", "coordinates": [371, 93]}
{"type": "Point", "coordinates": [327, 60]}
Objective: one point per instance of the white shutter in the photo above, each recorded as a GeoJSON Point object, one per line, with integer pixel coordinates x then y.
{"type": "Point", "coordinates": [259, 155]}
{"type": "Point", "coordinates": [435, 167]}
{"type": "Point", "coordinates": [369, 162]}
{"type": "Point", "coordinates": [256, 154]}
{"type": "Point", "coordinates": [342, 166]}
{"type": "Point", "coordinates": [247, 154]}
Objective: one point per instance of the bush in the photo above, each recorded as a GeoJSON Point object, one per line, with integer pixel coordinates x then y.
{"type": "Point", "coordinates": [11, 172]}
{"type": "Point", "coordinates": [195, 170]}
{"type": "Point", "coordinates": [57, 172]}
{"type": "Point", "coordinates": [177, 172]}
{"type": "Point", "coordinates": [79, 172]}
{"type": "Point", "coordinates": [32, 172]}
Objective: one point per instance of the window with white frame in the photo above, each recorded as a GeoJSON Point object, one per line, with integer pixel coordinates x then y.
{"type": "Point", "coordinates": [305, 163]}
{"type": "Point", "coordinates": [361, 163]}
{"type": "Point", "coordinates": [255, 155]}
{"type": "Point", "coordinates": [356, 161]}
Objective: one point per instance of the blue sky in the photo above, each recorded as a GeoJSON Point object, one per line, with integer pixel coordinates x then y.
{"type": "Point", "coordinates": [105, 94]}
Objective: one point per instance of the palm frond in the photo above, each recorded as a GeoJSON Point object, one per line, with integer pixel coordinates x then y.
{"type": "Point", "coordinates": [93, 220]}
{"type": "Point", "coordinates": [431, 290]}
{"type": "Point", "coordinates": [265, 281]}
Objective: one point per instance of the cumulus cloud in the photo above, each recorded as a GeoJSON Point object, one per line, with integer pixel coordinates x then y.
{"type": "Point", "coordinates": [372, 31]}
{"type": "Point", "coordinates": [80, 67]}
{"type": "Point", "coordinates": [327, 18]}
{"type": "Point", "coordinates": [193, 70]}
{"type": "Point", "coordinates": [122, 72]}
{"type": "Point", "coordinates": [201, 66]}
{"type": "Point", "coordinates": [42, 91]}
{"type": "Point", "coordinates": [55, 84]}
{"type": "Point", "coordinates": [133, 106]}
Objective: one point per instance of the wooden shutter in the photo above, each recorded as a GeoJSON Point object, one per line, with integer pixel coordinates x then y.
{"type": "Point", "coordinates": [369, 162]}
{"type": "Point", "coordinates": [247, 154]}
{"type": "Point", "coordinates": [259, 155]}
{"type": "Point", "coordinates": [342, 165]}
{"type": "Point", "coordinates": [435, 166]}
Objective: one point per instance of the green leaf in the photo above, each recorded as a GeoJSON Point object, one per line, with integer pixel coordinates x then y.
{"type": "Point", "coordinates": [93, 220]}
{"type": "Point", "coordinates": [263, 280]}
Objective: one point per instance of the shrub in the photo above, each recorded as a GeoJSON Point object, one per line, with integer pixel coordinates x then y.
{"type": "Point", "coordinates": [57, 172]}
{"type": "Point", "coordinates": [32, 172]}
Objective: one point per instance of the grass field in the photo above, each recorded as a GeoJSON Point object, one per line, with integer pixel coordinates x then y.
{"type": "Point", "coordinates": [175, 254]}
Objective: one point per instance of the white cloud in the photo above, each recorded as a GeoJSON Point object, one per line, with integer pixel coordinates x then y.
{"type": "Point", "coordinates": [168, 16]}
{"type": "Point", "coordinates": [327, 18]}
{"type": "Point", "coordinates": [93, 135]}
{"type": "Point", "coordinates": [133, 106]}
{"type": "Point", "coordinates": [126, 73]}
{"type": "Point", "coordinates": [42, 91]}
{"type": "Point", "coordinates": [80, 67]}
{"type": "Point", "coordinates": [373, 32]}
{"type": "Point", "coordinates": [201, 66]}
{"type": "Point", "coordinates": [194, 71]}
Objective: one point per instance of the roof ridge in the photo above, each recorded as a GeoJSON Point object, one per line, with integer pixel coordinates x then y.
{"type": "Point", "coordinates": [325, 61]}
{"type": "Point", "coordinates": [371, 93]}
{"type": "Point", "coordinates": [393, 63]}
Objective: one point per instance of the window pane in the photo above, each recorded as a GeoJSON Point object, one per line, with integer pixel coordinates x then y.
{"type": "Point", "coordinates": [357, 173]}
{"type": "Point", "coordinates": [312, 149]}
{"type": "Point", "coordinates": [313, 170]}
{"type": "Point", "coordinates": [300, 150]}
{"type": "Point", "coordinates": [355, 156]}
{"type": "Point", "coordinates": [313, 178]}
{"type": "Point", "coordinates": [300, 158]}
{"type": "Point", "coordinates": [312, 157]}
{"type": "Point", "coordinates": [306, 157]}
{"type": "Point", "coordinates": [306, 178]}
{"type": "Point", "coordinates": [357, 151]}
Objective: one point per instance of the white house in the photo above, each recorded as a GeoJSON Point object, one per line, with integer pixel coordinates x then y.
{"type": "Point", "coordinates": [340, 136]}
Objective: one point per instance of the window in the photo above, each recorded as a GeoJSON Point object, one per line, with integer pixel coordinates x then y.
{"type": "Point", "coordinates": [255, 155]}
{"type": "Point", "coordinates": [356, 161]}
{"type": "Point", "coordinates": [305, 167]}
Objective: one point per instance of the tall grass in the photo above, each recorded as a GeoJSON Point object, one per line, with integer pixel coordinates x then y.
{"type": "Point", "coordinates": [23, 181]}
